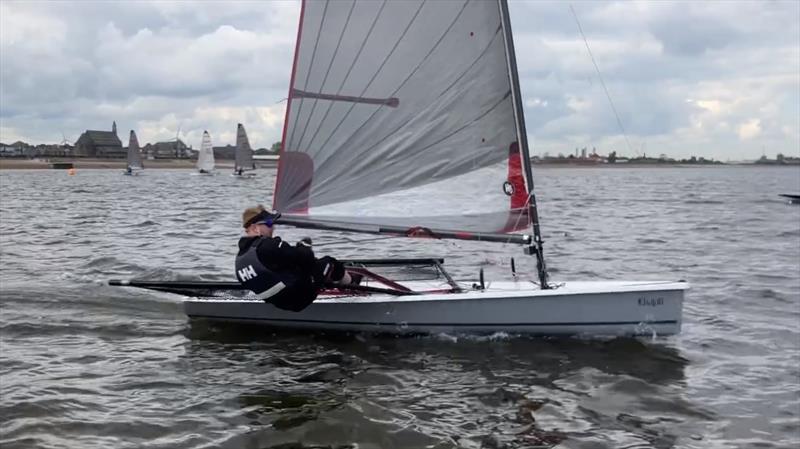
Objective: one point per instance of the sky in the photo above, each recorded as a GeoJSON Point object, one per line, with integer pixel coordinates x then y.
{"type": "Point", "coordinates": [715, 79]}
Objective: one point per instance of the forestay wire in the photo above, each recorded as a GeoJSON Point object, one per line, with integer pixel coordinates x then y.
{"type": "Point", "coordinates": [602, 81]}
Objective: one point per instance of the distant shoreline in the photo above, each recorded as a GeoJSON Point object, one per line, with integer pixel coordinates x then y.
{"type": "Point", "coordinates": [93, 163]}
{"type": "Point", "coordinates": [98, 163]}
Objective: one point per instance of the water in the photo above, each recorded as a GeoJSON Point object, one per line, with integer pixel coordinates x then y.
{"type": "Point", "coordinates": [91, 366]}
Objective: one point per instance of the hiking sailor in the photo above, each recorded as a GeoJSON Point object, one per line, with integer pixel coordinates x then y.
{"type": "Point", "coordinates": [289, 277]}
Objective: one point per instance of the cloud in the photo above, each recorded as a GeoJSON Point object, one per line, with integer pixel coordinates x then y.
{"type": "Point", "coordinates": [749, 129]}
{"type": "Point", "coordinates": [718, 79]}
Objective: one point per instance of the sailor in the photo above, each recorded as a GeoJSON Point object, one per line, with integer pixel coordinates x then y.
{"type": "Point", "coordinates": [129, 170]}
{"type": "Point", "coordinates": [289, 277]}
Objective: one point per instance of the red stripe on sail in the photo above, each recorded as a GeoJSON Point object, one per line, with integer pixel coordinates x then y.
{"type": "Point", "coordinates": [282, 151]}
{"type": "Point", "coordinates": [519, 197]}
{"type": "Point", "coordinates": [518, 217]}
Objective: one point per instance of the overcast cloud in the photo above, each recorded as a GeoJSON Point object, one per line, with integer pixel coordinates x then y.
{"type": "Point", "coordinates": [714, 79]}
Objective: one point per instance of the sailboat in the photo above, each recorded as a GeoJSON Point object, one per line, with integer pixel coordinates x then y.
{"type": "Point", "coordinates": [134, 156]}
{"type": "Point", "coordinates": [244, 155]}
{"type": "Point", "coordinates": [205, 157]}
{"type": "Point", "coordinates": [405, 119]}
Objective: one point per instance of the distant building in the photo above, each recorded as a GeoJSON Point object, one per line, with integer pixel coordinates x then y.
{"type": "Point", "coordinates": [226, 152]}
{"type": "Point", "coordinates": [105, 144]}
{"type": "Point", "coordinates": [173, 149]}
{"type": "Point", "coordinates": [16, 149]}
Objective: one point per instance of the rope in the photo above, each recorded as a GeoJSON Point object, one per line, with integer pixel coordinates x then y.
{"type": "Point", "coordinates": [602, 82]}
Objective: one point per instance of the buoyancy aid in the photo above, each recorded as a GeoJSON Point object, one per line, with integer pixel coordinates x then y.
{"type": "Point", "coordinates": [255, 276]}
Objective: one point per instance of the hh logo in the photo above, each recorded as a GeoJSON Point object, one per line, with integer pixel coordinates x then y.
{"type": "Point", "coordinates": [247, 273]}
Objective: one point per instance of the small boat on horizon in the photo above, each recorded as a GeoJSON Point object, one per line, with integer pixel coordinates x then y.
{"type": "Point", "coordinates": [244, 155]}
{"type": "Point", "coordinates": [135, 165]}
{"type": "Point", "coordinates": [205, 157]}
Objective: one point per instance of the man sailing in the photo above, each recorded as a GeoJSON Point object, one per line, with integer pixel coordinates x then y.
{"type": "Point", "coordinates": [289, 277]}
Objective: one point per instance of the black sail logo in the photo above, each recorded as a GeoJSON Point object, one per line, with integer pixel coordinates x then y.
{"type": "Point", "coordinates": [508, 188]}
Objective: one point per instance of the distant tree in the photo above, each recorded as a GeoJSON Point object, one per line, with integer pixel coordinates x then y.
{"type": "Point", "coordinates": [779, 158]}
{"type": "Point", "coordinates": [276, 147]}
{"type": "Point", "coordinates": [612, 157]}
{"type": "Point", "coordinates": [693, 160]}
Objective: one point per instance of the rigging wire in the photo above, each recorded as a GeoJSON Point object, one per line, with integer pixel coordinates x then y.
{"type": "Point", "coordinates": [602, 81]}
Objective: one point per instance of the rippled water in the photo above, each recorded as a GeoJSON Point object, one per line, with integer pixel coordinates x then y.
{"type": "Point", "coordinates": [91, 366]}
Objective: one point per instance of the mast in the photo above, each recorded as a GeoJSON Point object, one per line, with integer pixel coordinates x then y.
{"type": "Point", "coordinates": [522, 138]}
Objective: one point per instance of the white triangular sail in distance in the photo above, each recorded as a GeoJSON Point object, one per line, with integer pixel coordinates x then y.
{"type": "Point", "coordinates": [244, 153]}
{"type": "Point", "coordinates": [392, 107]}
{"type": "Point", "coordinates": [134, 153]}
{"type": "Point", "coordinates": [205, 158]}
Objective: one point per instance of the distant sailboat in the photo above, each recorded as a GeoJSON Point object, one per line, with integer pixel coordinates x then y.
{"type": "Point", "coordinates": [134, 156]}
{"type": "Point", "coordinates": [244, 155]}
{"type": "Point", "coordinates": [205, 158]}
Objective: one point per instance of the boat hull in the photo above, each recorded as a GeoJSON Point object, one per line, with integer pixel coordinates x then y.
{"type": "Point", "coordinates": [575, 308]}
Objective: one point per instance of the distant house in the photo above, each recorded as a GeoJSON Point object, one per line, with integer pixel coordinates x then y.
{"type": "Point", "coordinates": [16, 149]}
{"type": "Point", "coordinates": [104, 144]}
{"type": "Point", "coordinates": [173, 149]}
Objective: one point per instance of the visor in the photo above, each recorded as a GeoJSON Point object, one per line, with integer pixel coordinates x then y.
{"type": "Point", "coordinates": [265, 217]}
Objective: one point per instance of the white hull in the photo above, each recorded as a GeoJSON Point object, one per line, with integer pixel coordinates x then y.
{"type": "Point", "coordinates": [244, 176]}
{"type": "Point", "coordinates": [197, 173]}
{"type": "Point", "coordinates": [575, 308]}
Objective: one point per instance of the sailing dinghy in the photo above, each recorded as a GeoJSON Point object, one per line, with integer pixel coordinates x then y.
{"type": "Point", "coordinates": [205, 157]}
{"type": "Point", "coordinates": [134, 166]}
{"type": "Point", "coordinates": [244, 155]}
{"type": "Point", "coordinates": [405, 119]}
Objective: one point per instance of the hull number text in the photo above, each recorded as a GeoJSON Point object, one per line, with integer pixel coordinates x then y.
{"type": "Point", "coordinates": [645, 301]}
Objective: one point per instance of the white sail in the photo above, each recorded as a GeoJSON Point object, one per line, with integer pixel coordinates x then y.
{"type": "Point", "coordinates": [395, 104]}
{"type": "Point", "coordinates": [244, 154]}
{"type": "Point", "coordinates": [134, 153]}
{"type": "Point", "coordinates": [205, 158]}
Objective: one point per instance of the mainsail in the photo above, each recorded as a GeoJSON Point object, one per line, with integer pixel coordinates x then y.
{"type": "Point", "coordinates": [244, 154]}
{"type": "Point", "coordinates": [393, 106]}
{"type": "Point", "coordinates": [205, 158]}
{"type": "Point", "coordinates": [134, 154]}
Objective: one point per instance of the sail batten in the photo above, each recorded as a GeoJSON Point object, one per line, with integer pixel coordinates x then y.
{"type": "Point", "coordinates": [402, 103]}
